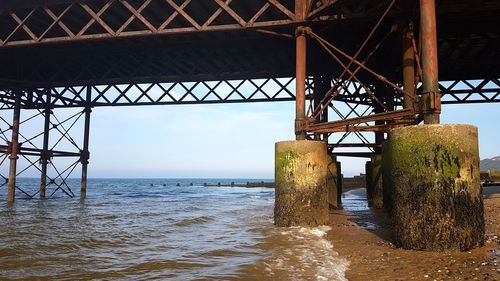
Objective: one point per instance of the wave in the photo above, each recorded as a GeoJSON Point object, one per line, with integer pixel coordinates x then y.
{"type": "Point", "coordinates": [194, 221]}
{"type": "Point", "coordinates": [307, 255]}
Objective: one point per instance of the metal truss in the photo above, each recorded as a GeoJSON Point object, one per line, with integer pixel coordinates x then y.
{"type": "Point", "coordinates": [472, 91]}
{"type": "Point", "coordinates": [351, 94]}
{"type": "Point", "coordinates": [452, 92]}
{"type": "Point", "coordinates": [44, 153]}
{"type": "Point", "coordinates": [98, 19]}
{"type": "Point", "coordinates": [376, 91]}
{"type": "Point", "coordinates": [205, 92]}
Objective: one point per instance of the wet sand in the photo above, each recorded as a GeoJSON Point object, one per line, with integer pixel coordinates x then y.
{"type": "Point", "coordinates": [363, 237]}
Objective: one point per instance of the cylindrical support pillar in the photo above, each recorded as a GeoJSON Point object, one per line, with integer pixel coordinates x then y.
{"type": "Point", "coordinates": [368, 182]}
{"type": "Point", "coordinates": [431, 98]}
{"type": "Point", "coordinates": [332, 182]}
{"type": "Point", "coordinates": [300, 71]}
{"type": "Point", "coordinates": [433, 172]}
{"type": "Point", "coordinates": [377, 200]}
{"type": "Point", "coordinates": [14, 149]}
{"type": "Point", "coordinates": [408, 62]}
{"type": "Point", "coordinates": [340, 181]}
{"type": "Point", "coordinates": [44, 158]}
{"type": "Point", "coordinates": [300, 177]}
{"type": "Point", "coordinates": [84, 157]}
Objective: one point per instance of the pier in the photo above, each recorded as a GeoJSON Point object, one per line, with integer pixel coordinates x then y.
{"type": "Point", "coordinates": [368, 79]}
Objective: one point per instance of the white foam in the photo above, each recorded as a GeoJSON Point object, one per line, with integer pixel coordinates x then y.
{"type": "Point", "coordinates": [314, 253]}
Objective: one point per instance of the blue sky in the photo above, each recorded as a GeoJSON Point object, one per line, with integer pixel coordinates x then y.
{"type": "Point", "coordinates": [235, 140]}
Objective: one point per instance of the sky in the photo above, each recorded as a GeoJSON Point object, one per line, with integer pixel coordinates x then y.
{"type": "Point", "coordinates": [212, 141]}
{"type": "Point", "coordinates": [235, 140]}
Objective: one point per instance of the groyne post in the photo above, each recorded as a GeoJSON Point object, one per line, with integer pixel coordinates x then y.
{"type": "Point", "coordinates": [14, 148]}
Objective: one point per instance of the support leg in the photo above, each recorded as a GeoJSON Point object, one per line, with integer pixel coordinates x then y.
{"type": "Point", "coordinates": [332, 182]}
{"type": "Point", "coordinates": [408, 62]}
{"type": "Point", "coordinates": [300, 71]}
{"type": "Point", "coordinates": [44, 159]}
{"type": "Point", "coordinates": [14, 148]}
{"type": "Point", "coordinates": [433, 171]}
{"type": "Point", "coordinates": [84, 158]}
{"type": "Point", "coordinates": [340, 179]}
{"type": "Point", "coordinates": [377, 191]}
{"type": "Point", "coordinates": [301, 190]}
{"type": "Point", "coordinates": [431, 98]}
{"type": "Point", "coordinates": [321, 87]}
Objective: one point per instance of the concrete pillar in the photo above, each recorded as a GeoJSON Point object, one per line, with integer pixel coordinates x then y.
{"type": "Point", "coordinates": [300, 176]}
{"type": "Point", "coordinates": [332, 182]}
{"type": "Point", "coordinates": [376, 181]}
{"type": "Point", "coordinates": [433, 174]}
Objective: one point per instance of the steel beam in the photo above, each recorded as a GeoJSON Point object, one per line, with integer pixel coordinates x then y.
{"type": "Point", "coordinates": [84, 158]}
{"type": "Point", "coordinates": [301, 9]}
{"type": "Point", "coordinates": [44, 157]}
{"type": "Point", "coordinates": [14, 148]}
{"type": "Point", "coordinates": [408, 63]}
{"type": "Point", "coordinates": [431, 98]}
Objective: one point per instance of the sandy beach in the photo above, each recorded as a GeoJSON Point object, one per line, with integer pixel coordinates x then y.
{"type": "Point", "coordinates": [363, 237]}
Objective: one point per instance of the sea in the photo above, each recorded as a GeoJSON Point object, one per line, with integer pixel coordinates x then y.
{"type": "Point", "coordinates": [159, 229]}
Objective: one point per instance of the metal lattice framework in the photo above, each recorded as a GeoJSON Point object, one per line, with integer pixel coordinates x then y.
{"type": "Point", "coordinates": [118, 18]}
{"type": "Point", "coordinates": [37, 154]}
{"type": "Point", "coordinates": [80, 54]}
{"type": "Point", "coordinates": [204, 92]}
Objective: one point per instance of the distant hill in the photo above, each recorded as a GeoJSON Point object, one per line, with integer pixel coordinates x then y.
{"type": "Point", "coordinates": [490, 164]}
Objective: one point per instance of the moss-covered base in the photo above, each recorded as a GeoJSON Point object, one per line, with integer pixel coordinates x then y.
{"type": "Point", "coordinates": [432, 172]}
{"type": "Point", "coordinates": [376, 181]}
{"type": "Point", "coordinates": [332, 182]}
{"type": "Point", "coordinates": [301, 191]}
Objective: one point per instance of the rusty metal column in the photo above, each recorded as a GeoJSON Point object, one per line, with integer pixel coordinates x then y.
{"type": "Point", "coordinates": [44, 158]}
{"type": "Point", "coordinates": [84, 154]}
{"type": "Point", "coordinates": [408, 62]}
{"type": "Point", "coordinates": [300, 70]}
{"type": "Point", "coordinates": [431, 98]}
{"type": "Point", "coordinates": [14, 148]}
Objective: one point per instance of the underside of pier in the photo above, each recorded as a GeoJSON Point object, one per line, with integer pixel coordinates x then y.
{"type": "Point", "coordinates": [356, 68]}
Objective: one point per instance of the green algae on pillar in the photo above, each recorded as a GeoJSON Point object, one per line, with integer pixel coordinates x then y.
{"type": "Point", "coordinates": [332, 182]}
{"type": "Point", "coordinates": [300, 176]}
{"type": "Point", "coordinates": [376, 181]}
{"type": "Point", "coordinates": [434, 182]}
